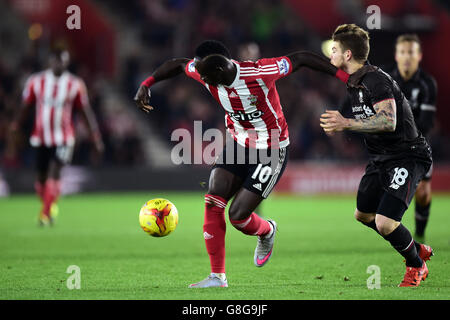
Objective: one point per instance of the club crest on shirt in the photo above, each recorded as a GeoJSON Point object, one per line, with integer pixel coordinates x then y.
{"type": "Point", "coordinates": [253, 100]}
{"type": "Point", "coordinates": [413, 101]}
{"type": "Point", "coordinates": [361, 96]}
{"type": "Point", "coordinates": [283, 66]}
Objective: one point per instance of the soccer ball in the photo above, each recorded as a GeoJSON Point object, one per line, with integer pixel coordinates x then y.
{"type": "Point", "coordinates": [158, 217]}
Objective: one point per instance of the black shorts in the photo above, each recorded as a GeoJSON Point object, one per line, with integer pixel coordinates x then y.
{"type": "Point", "coordinates": [44, 155]}
{"type": "Point", "coordinates": [259, 169]}
{"type": "Point", "coordinates": [387, 188]}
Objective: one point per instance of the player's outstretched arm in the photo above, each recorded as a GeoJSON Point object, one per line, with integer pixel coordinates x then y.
{"type": "Point", "coordinates": [89, 118]}
{"type": "Point", "coordinates": [385, 120]}
{"type": "Point", "coordinates": [167, 70]}
{"type": "Point", "coordinates": [316, 62]}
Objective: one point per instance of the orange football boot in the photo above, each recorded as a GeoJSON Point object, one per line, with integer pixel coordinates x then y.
{"type": "Point", "coordinates": [413, 276]}
{"type": "Point", "coordinates": [426, 252]}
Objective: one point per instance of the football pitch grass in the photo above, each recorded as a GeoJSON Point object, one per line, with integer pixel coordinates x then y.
{"type": "Point", "coordinates": [320, 252]}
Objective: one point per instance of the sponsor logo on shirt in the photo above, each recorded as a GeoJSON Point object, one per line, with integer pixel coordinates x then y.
{"type": "Point", "coordinates": [241, 116]}
{"type": "Point", "coordinates": [363, 111]}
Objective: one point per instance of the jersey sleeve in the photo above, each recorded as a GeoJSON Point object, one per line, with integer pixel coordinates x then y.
{"type": "Point", "coordinates": [81, 97]}
{"type": "Point", "coordinates": [28, 94]}
{"type": "Point", "coordinates": [192, 72]}
{"type": "Point", "coordinates": [275, 68]}
{"type": "Point", "coordinates": [379, 86]}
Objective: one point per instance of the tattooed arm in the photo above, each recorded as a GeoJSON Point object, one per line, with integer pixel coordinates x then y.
{"type": "Point", "coordinates": [385, 120]}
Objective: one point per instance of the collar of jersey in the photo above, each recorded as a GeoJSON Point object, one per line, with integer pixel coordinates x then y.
{"type": "Point", "coordinates": [415, 76]}
{"type": "Point", "coordinates": [50, 73]}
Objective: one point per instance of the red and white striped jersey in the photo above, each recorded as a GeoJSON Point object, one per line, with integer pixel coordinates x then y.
{"type": "Point", "coordinates": [254, 116]}
{"type": "Point", "coordinates": [54, 98]}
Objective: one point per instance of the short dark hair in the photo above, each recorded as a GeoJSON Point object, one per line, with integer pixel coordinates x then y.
{"type": "Point", "coordinates": [353, 38]}
{"type": "Point", "coordinates": [209, 47]}
{"type": "Point", "coordinates": [409, 37]}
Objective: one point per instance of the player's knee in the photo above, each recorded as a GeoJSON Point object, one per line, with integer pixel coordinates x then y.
{"type": "Point", "coordinates": [236, 212]}
{"type": "Point", "coordinates": [364, 217]}
{"type": "Point", "coordinates": [219, 185]}
{"type": "Point", "coordinates": [423, 195]}
{"type": "Point", "coordinates": [218, 189]}
{"type": "Point", "coordinates": [385, 225]}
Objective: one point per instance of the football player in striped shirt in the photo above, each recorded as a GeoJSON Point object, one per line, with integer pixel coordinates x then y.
{"type": "Point", "coordinates": [255, 120]}
{"type": "Point", "coordinates": [53, 94]}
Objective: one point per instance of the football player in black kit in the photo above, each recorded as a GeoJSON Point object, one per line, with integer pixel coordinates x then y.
{"type": "Point", "coordinates": [399, 154]}
{"type": "Point", "coordinates": [420, 89]}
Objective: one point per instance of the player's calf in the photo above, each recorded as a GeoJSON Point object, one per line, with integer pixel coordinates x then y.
{"type": "Point", "coordinates": [214, 229]}
{"type": "Point", "coordinates": [253, 225]}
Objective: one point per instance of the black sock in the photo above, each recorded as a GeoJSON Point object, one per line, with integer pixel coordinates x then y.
{"type": "Point", "coordinates": [373, 226]}
{"type": "Point", "coordinates": [421, 216]}
{"type": "Point", "coordinates": [403, 242]}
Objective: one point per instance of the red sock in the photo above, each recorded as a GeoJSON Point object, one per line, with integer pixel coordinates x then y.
{"type": "Point", "coordinates": [214, 229]}
{"type": "Point", "coordinates": [39, 188]}
{"type": "Point", "coordinates": [253, 225]}
{"type": "Point", "coordinates": [51, 194]}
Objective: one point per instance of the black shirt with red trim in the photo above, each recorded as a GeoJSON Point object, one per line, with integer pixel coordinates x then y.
{"type": "Point", "coordinates": [406, 140]}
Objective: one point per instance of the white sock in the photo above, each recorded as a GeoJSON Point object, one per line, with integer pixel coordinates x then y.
{"type": "Point", "coordinates": [270, 232]}
{"type": "Point", "coordinates": [221, 276]}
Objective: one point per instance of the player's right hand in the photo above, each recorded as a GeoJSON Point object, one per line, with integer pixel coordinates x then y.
{"type": "Point", "coordinates": [142, 99]}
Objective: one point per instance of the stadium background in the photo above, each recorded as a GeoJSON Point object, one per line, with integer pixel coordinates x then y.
{"type": "Point", "coordinates": [120, 44]}
{"type": "Point", "coordinates": [321, 251]}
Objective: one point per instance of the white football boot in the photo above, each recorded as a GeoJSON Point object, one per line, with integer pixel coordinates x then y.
{"type": "Point", "coordinates": [212, 281]}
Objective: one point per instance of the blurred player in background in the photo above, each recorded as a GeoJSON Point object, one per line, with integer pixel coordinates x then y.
{"type": "Point", "coordinates": [399, 154]}
{"type": "Point", "coordinates": [255, 120]}
{"type": "Point", "coordinates": [249, 52]}
{"type": "Point", "coordinates": [420, 89]}
{"type": "Point", "coordinates": [53, 94]}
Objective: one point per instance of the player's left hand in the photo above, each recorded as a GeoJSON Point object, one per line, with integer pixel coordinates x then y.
{"type": "Point", "coordinates": [99, 146]}
{"type": "Point", "coordinates": [98, 143]}
{"type": "Point", "coordinates": [142, 99]}
{"type": "Point", "coordinates": [332, 121]}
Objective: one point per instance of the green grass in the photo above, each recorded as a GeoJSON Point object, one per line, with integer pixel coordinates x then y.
{"type": "Point", "coordinates": [321, 252]}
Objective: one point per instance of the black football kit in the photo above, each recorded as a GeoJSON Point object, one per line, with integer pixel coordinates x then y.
{"type": "Point", "coordinates": [398, 159]}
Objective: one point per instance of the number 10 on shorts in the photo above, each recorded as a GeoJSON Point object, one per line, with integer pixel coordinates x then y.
{"type": "Point", "coordinates": [262, 173]}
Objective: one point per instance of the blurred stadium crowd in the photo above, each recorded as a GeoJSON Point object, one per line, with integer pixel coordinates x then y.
{"type": "Point", "coordinates": [162, 29]}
